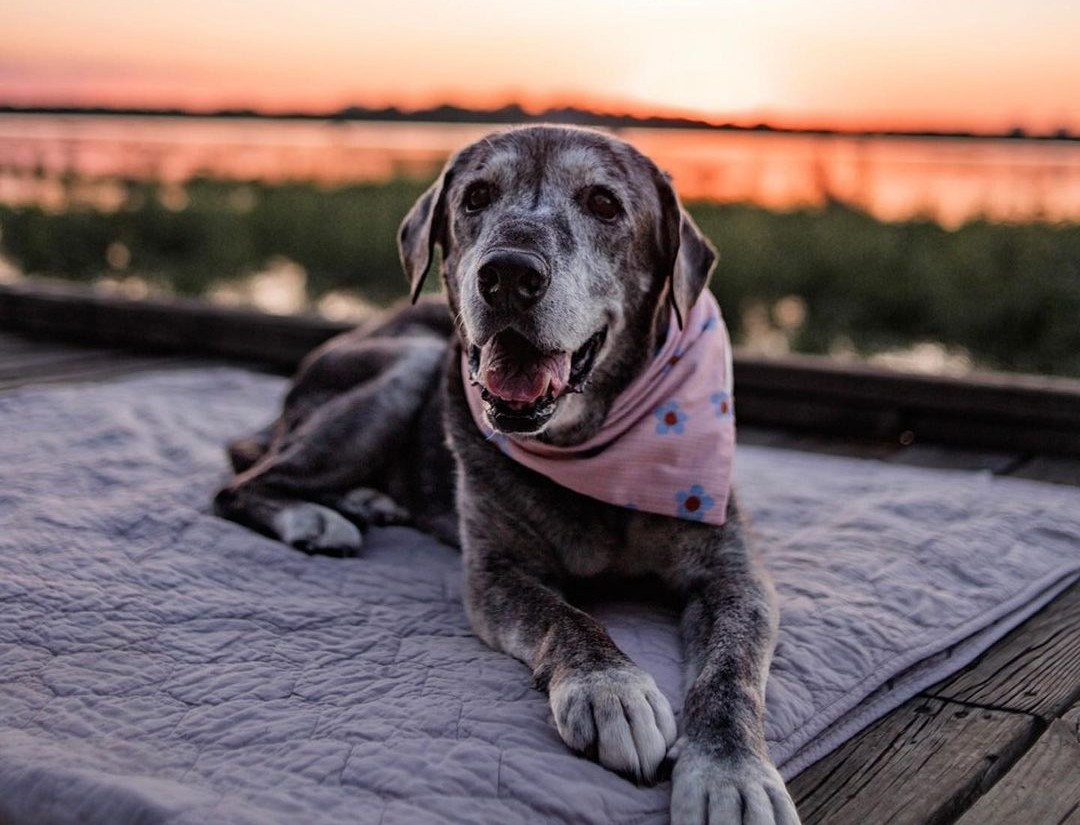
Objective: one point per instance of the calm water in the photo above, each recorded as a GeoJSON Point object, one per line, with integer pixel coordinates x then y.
{"type": "Point", "coordinates": [951, 180]}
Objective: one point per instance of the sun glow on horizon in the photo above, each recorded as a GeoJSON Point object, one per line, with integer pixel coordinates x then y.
{"type": "Point", "coordinates": [919, 64]}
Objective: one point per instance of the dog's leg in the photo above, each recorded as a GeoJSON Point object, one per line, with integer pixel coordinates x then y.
{"type": "Point", "coordinates": [722, 770]}
{"type": "Point", "coordinates": [316, 529]}
{"type": "Point", "coordinates": [604, 705]}
{"type": "Point", "coordinates": [304, 525]}
{"type": "Point", "coordinates": [244, 453]}
{"type": "Point", "coordinates": [314, 487]}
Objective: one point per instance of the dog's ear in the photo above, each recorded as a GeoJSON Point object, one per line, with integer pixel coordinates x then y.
{"type": "Point", "coordinates": [424, 227]}
{"type": "Point", "coordinates": [687, 257]}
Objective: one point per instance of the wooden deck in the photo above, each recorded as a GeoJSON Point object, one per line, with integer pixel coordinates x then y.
{"type": "Point", "coordinates": [997, 744]}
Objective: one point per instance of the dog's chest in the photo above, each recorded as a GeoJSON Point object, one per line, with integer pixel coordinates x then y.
{"type": "Point", "coordinates": [619, 542]}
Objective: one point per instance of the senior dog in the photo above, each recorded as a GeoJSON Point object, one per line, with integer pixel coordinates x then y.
{"type": "Point", "coordinates": [581, 381]}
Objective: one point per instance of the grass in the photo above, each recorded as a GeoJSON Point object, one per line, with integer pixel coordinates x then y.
{"type": "Point", "coordinates": [1007, 294]}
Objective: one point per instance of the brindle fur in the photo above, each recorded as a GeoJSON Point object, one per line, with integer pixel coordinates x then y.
{"type": "Point", "coordinates": [360, 434]}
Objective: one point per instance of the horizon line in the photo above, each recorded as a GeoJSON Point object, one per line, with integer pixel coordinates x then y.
{"type": "Point", "coordinates": [515, 112]}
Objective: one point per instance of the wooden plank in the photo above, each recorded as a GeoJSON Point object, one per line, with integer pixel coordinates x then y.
{"type": "Point", "coordinates": [770, 407]}
{"type": "Point", "coordinates": [26, 361]}
{"type": "Point", "coordinates": [1006, 395]}
{"type": "Point", "coordinates": [760, 436]}
{"type": "Point", "coordinates": [947, 426]}
{"type": "Point", "coordinates": [1010, 412]}
{"type": "Point", "coordinates": [817, 443]}
{"type": "Point", "coordinates": [101, 367]}
{"type": "Point", "coordinates": [177, 325]}
{"type": "Point", "coordinates": [1072, 719]}
{"type": "Point", "coordinates": [1052, 468]}
{"type": "Point", "coordinates": [921, 765]}
{"type": "Point", "coordinates": [34, 362]}
{"type": "Point", "coordinates": [955, 458]}
{"type": "Point", "coordinates": [13, 344]}
{"type": "Point", "coordinates": [1032, 670]}
{"type": "Point", "coordinates": [933, 456]}
{"type": "Point", "coordinates": [1042, 787]}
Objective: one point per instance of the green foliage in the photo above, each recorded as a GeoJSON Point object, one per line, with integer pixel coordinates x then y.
{"type": "Point", "coordinates": [1009, 294]}
{"type": "Point", "coordinates": [345, 237]}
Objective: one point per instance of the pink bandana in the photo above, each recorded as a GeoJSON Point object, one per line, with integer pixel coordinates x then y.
{"type": "Point", "coordinates": [668, 441]}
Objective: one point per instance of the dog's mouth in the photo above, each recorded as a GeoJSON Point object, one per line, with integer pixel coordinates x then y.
{"type": "Point", "coordinates": [521, 385]}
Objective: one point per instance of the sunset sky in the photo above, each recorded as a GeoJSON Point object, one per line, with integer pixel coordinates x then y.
{"type": "Point", "coordinates": [984, 65]}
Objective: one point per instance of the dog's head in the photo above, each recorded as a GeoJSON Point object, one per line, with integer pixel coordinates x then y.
{"type": "Point", "coordinates": [562, 252]}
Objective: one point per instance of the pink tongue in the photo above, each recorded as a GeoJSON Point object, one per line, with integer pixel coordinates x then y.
{"type": "Point", "coordinates": [515, 371]}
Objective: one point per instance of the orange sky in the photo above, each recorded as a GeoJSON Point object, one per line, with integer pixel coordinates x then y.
{"type": "Point", "coordinates": [883, 63]}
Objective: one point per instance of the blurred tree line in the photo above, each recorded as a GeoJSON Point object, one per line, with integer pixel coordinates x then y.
{"type": "Point", "coordinates": [1008, 294]}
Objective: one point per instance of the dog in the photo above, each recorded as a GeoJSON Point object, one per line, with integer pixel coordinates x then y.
{"type": "Point", "coordinates": [574, 279]}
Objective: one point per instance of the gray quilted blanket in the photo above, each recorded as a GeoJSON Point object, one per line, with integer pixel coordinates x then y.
{"type": "Point", "coordinates": [160, 665]}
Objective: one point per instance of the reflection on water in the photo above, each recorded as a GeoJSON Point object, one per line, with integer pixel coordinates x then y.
{"type": "Point", "coordinates": [55, 161]}
{"type": "Point", "coordinates": [767, 331]}
{"type": "Point", "coordinates": [951, 180]}
{"type": "Point", "coordinates": [928, 357]}
{"type": "Point", "coordinates": [281, 289]}
{"type": "Point", "coordinates": [8, 273]}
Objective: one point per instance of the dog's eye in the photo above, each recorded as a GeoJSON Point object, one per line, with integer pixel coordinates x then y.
{"type": "Point", "coordinates": [602, 204]}
{"type": "Point", "coordinates": [477, 197]}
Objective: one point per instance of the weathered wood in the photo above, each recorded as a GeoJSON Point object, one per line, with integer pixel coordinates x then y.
{"type": "Point", "coordinates": [24, 362]}
{"type": "Point", "coordinates": [955, 458]}
{"type": "Point", "coordinates": [1032, 670]}
{"type": "Point", "coordinates": [1052, 468]}
{"type": "Point", "coordinates": [29, 362]}
{"type": "Point", "coordinates": [1012, 394]}
{"type": "Point", "coordinates": [816, 443]}
{"type": "Point", "coordinates": [769, 406]}
{"type": "Point", "coordinates": [1015, 412]}
{"type": "Point", "coordinates": [1042, 787]}
{"type": "Point", "coordinates": [1072, 719]}
{"type": "Point", "coordinates": [1011, 412]}
{"type": "Point", "coordinates": [12, 344]}
{"type": "Point", "coordinates": [181, 326]}
{"type": "Point", "coordinates": [101, 370]}
{"type": "Point", "coordinates": [921, 765]}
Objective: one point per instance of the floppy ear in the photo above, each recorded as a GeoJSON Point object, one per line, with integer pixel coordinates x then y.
{"type": "Point", "coordinates": [687, 256]}
{"type": "Point", "coordinates": [423, 227]}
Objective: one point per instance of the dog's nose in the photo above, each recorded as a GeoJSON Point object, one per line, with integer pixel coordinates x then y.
{"type": "Point", "coordinates": [513, 280]}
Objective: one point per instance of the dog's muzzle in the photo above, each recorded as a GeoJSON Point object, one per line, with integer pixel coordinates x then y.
{"type": "Point", "coordinates": [521, 385]}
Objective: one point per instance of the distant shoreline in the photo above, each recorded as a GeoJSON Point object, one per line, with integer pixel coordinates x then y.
{"type": "Point", "coordinates": [515, 114]}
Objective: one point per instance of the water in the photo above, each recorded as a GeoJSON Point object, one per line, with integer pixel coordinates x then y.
{"type": "Point", "coordinates": [951, 180]}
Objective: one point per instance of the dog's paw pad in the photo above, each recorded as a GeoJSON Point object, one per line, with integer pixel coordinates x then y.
{"type": "Point", "coordinates": [318, 530]}
{"type": "Point", "coordinates": [617, 715]}
{"type": "Point", "coordinates": [709, 790]}
{"type": "Point", "coordinates": [368, 506]}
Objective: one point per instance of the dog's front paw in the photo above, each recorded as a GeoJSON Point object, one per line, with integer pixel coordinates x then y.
{"type": "Point", "coordinates": [317, 529]}
{"type": "Point", "coordinates": [712, 790]}
{"type": "Point", "coordinates": [617, 715]}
